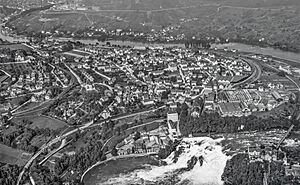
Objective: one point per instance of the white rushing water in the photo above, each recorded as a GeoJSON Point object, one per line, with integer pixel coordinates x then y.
{"type": "Point", "coordinates": [208, 174]}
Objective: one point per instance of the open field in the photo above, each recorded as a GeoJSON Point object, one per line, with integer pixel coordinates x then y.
{"type": "Point", "coordinates": [77, 53]}
{"type": "Point", "coordinates": [38, 141]}
{"type": "Point", "coordinates": [16, 101]}
{"type": "Point", "coordinates": [15, 47]}
{"type": "Point", "coordinates": [13, 156]}
{"type": "Point", "coordinates": [148, 126]}
{"type": "Point", "coordinates": [44, 122]}
{"type": "Point", "coordinates": [29, 105]}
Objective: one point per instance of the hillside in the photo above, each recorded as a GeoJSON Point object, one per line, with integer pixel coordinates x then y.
{"type": "Point", "coordinates": [5, 11]}
{"type": "Point", "coordinates": [275, 22]}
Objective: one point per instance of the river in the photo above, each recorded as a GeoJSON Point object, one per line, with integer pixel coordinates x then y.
{"type": "Point", "coordinates": [119, 42]}
{"type": "Point", "coordinates": [295, 57]}
{"type": "Point", "coordinates": [175, 170]}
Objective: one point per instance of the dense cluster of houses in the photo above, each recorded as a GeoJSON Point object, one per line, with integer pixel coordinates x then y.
{"type": "Point", "coordinates": [148, 142]}
{"type": "Point", "coordinates": [243, 102]}
{"type": "Point", "coordinates": [180, 71]}
{"type": "Point", "coordinates": [157, 74]}
{"type": "Point", "coordinates": [271, 154]}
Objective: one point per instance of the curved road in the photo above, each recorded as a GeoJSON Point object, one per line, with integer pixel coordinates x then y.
{"type": "Point", "coordinates": [254, 76]}
{"type": "Point", "coordinates": [60, 138]}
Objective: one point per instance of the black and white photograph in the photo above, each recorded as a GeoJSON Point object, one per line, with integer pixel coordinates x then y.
{"type": "Point", "coordinates": [149, 92]}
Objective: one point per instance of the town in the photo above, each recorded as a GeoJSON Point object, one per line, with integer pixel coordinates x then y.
{"type": "Point", "coordinates": [104, 104]}
{"type": "Point", "coordinates": [134, 93]}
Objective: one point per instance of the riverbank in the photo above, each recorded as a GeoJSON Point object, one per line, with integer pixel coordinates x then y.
{"type": "Point", "coordinates": [286, 55]}
{"type": "Point", "coordinates": [176, 169]}
{"type": "Point", "coordinates": [115, 166]}
{"type": "Point", "coordinates": [268, 51]}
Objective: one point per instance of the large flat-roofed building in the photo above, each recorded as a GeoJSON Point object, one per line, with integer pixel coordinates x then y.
{"type": "Point", "coordinates": [173, 116]}
{"type": "Point", "coordinates": [231, 109]}
{"type": "Point", "coordinates": [238, 96]}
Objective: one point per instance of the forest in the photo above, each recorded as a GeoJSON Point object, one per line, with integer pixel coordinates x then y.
{"type": "Point", "coordinates": [240, 170]}
{"type": "Point", "coordinates": [214, 123]}
{"type": "Point", "coordinates": [9, 174]}
{"type": "Point", "coordinates": [22, 135]}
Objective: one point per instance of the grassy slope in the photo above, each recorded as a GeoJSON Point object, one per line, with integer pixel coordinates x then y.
{"type": "Point", "coordinates": [12, 156]}
{"type": "Point", "coordinates": [279, 25]}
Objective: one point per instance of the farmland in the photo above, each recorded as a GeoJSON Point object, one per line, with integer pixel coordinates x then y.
{"type": "Point", "coordinates": [13, 156]}
{"type": "Point", "coordinates": [44, 122]}
{"type": "Point", "coordinates": [15, 47]}
{"type": "Point", "coordinates": [239, 21]}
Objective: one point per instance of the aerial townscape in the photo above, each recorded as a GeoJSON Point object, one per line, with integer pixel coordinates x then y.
{"type": "Point", "coordinates": [144, 92]}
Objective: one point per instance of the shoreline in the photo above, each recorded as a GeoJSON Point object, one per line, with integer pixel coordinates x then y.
{"type": "Point", "coordinates": [113, 158]}
{"type": "Point", "coordinates": [241, 47]}
{"type": "Point", "coordinates": [93, 41]}
{"type": "Point", "coordinates": [215, 161]}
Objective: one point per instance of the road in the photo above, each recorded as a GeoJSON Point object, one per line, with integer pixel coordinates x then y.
{"type": "Point", "coordinates": [9, 63]}
{"type": "Point", "coordinates": [134, 114]}
{"type": "Point", "coordinates": [130, 72]}
{"type": "Point", "coordinates": [63, 144]}
{"type": "Point", "coordinates": [253, 8]}
{"type": "Point", "coordinates": [148, 123]}
{"type": "Point", "coordinates": [297, 85]}
{"type": "Point", "coordinates": [60, 138]}
{"type": "Point", "coordinates": [256, 74]}
{"type": "Point", "coordinates": [181, 74]}
{"type": "Point", "coordinates": [6, 73]}
{"type": "Point", "coordinates": [257, 71]}
{"type": "Point", "coordinates": [105, 85]}
{"type": "Point", "coordinates": [46, 145]}
{"type": "Point", "coordinates": [100, 74]}
{"type": "Point", "coordinates": [75, 75]}
{"type": "Point", "coordinates": [128, 10]}
{"type": "Point", "coordinates": [56, 77]}
{"type": "Point", "coordinates": [40, 107]}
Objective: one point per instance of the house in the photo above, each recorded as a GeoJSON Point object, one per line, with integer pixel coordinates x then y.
{"type": "Point", "coordinates": [152, 146]}
{"type": "Point", "coordinates": [230, 109]}
{"type": "Point", "coordinates": [177, 92]}
{"type": "Point", "coordinates": [277, 96]}
{"type": "Point", "coordinates": [148, 102]}
{"type": "Point", "coordinates": [293, 170]}
{"type": "Point", "coordinates": [160, 90]}
{"type": "Point", "coordinates": [210, 98]}
{"type": "Point", "coordinates": [173, 116]}
{"type": "Point", "coordinates": [172, 67]}
{"type": "Point", "coordinates": [141, 48]}
{"type": "Point", "coordinates": [158, 72]}
{"type": "Point", "coordinates": [105, 114]}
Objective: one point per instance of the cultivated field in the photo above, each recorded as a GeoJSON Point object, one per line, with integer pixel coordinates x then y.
{"type": "Point", "coordinates": [15, 47]}
{"type": "Point", "coordinates": [43, 122]}
{"type": "Point", "coordinates": [13, 156]}
{"type": "Point", "coordinates": [276, 21]}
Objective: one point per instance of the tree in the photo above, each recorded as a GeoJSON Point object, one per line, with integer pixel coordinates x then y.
{"type": "Point", "coordinates": [137, 136]}
{"type": "Point", "coordinates": [114, 152]}
{"type": "Point", "coordinates": [145, 129]}
{"type": "Point", "coordinates": [281, 73]}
